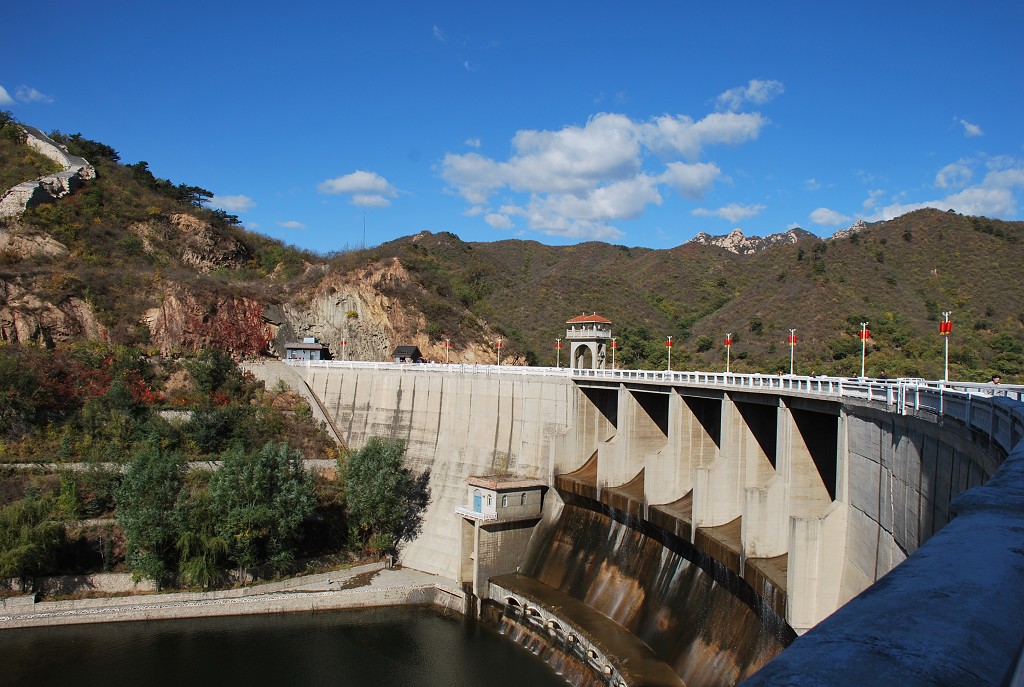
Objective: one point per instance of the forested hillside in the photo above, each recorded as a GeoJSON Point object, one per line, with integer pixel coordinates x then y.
{"type": "Point", "coordinates": [135, 259]}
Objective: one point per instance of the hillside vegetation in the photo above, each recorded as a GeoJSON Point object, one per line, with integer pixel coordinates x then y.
{"type": "Point", "coordinates": [899, 276]}
{"type": "Point", "coordinates": [137, 244]}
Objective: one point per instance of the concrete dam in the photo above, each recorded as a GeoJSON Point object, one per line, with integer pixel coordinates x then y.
{"type": "Point", "coordinates": [708, 529]}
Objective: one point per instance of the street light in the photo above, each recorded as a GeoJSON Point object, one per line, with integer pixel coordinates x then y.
{"type": "Point", "coordinates": [558, 353]}
{"type": "Point", "coordinates": [668, 345]}
{"type": "Point", "coordinates": [864, 334]}
{"type": "Point", "coordinates": [728, 351]}
{"type": "Point", "coordinates": [615, 344]}
{"type": "Point", "coordinates": [447, 348]}
{"type": "Point", "coordinates": [344, 343]}
{"type": "Point", "coordinates": [500, 345]}
{"type": "Point", "coordinates": [792, 347]}
{"type": "Point", "coordinates": [945, 329]}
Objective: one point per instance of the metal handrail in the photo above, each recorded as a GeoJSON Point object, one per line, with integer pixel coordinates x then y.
{"type": "Point", "coordinates": [997, 410]}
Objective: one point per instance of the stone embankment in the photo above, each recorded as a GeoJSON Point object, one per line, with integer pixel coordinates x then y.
{"type": "Point", "coordinates": [47, 188]}
{"type": "Point", "coordinates": [365, 586]}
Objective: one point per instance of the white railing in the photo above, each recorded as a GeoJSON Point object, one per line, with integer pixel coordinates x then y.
{"type": "Point", "coordinates": [475, 514]}
{"type": "Point", "coordinates": [993, 409]}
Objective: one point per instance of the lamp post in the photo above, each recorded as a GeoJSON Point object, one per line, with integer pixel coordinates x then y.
{"type": "Point", "coordinates": [447, 348]}
{"type": "Point", "coordinates": [728, 351]}
{"type": "Point", "coordinates": [558, 353]}
{"type": "Point", "coordinates": [344, 343]}
{"type": "Point", "coordinates": [945, 329]}
{"type": "Point", "coordinates": [792, 347]}
{"type": "Point", "coordinates": [500, 345]}
{"type": "Point", "coordinates": [864, 334]}
{"type": "Point", "coordinates": [615, 344]}
{"type": "Point", "coordinates": [668, 345]}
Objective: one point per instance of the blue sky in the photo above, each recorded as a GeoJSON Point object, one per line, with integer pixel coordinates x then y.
{"type": "Point", "coordinates": [635, 123]}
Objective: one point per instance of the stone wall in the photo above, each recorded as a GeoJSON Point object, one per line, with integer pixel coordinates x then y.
{"type": "Point", "coordinates": [48, 188]}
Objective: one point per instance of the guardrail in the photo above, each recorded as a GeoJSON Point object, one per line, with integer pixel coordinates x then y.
{"type": "Point", "coordinates": [993, 409]}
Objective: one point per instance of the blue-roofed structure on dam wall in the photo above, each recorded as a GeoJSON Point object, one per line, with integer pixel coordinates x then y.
{"type": "Point", "coordinates": [715, 527]}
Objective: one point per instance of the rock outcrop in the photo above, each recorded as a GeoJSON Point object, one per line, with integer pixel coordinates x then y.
{"type": "Point", "coordinates": [354, 307]}
{"type": "Point", "coordinates": [192, 240]}
{"type": "Point", "coordinates": [736, 242]}
{"type": "Point", "coordinates": [24, 316]}
{"type": "Point", "coordinates": [47, 188]}
{"type": "Point", "coordinates": [855, 228]}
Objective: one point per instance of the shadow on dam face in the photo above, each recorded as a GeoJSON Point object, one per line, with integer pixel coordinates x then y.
{"type": "Point", "coordinates": [696, 617]}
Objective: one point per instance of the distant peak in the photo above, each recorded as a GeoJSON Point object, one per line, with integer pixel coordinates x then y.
{"type": "Point", "coordinates": [854, 228]}
{"type": "Point", "coordinates": [736, 242]}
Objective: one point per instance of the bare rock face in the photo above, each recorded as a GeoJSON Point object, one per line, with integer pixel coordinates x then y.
{"type": "Point", "coordinates": [26, 317]}
{"type": "Point", "coordinates": [353, 307]}
{"type": "Point", "coordinates": [736, 242]}
{"type": "Point", "coordinates": [854, 228]}
{"type": "Point", "coordinates": [184, 321]}
{"type": "Point", "coordinates": [21, 243]}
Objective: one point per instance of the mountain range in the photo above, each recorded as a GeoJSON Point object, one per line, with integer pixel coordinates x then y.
{"type": "Point", "coordinates": [133, 259]}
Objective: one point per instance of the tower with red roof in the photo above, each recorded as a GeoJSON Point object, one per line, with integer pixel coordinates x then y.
{"type": "Point", "coordinates": [588, 337]}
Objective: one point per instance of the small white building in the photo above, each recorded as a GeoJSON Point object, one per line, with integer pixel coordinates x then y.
{"type": "Point", "coordinates": [498, 519]}
{"type": "Point", "coordinates": [308, 349]}
{"type": "Point", "coordinates": [502, 499]}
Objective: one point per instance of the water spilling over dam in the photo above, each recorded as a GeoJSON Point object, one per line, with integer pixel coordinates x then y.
{"type": "Point", "coordinates": [696, 616]}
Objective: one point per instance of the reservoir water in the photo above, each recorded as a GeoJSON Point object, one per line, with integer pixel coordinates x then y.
{"type": "Point", "coordinates": [380, 647]}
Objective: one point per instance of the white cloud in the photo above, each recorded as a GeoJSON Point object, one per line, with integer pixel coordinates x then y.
{"type": "Point", "coordinates": [824, 217]}
{"type": "Point", "coordinates": [23, 94]}
{"type": "Point", "coordinates": [473, 143]}
{"type": "Point", "coordinates": [292, 224]}
{"type": "Point", "coordinates": [474, 176]}
{"type": "Point", "coordinates": [575, 158]}
{"type": "Point", "coordinates": [27, 94]}
{"type": "Point", "coordinates": [439, 34]}
{"type": "Point", "coordinates": [756, 92]}
{"type": "Point", "coordinates": [680, 135]}
{"type": "Point", "coordinates": [368, 189]}
{"type": "Point", "coordinates": [871, 201]}
{"type": "Point", "coordinates": [812, 184]}
{"type": "Point", "coordinates": [953, 175]}
{"type": "Point", "coordinates": [970, 130]}
{"type": "Point", "coordinates": [732, 212]}
{"type": "Point", "coordinates": [691, 180]}
{"type": "Point", "coordinates": [239, 203]}
{"type": "Point", "coordinates": [369, 200]}
{"type": "Point", "coordinates": [578, 181]}
{"type": "Point", "coordinates": [499, 221]}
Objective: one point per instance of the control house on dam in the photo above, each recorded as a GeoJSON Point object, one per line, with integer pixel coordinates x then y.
{"type": "Point", "coordinates": [638, 527]}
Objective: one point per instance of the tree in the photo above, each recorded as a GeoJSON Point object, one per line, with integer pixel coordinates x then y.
{"type": "Point", "coordinates": [259, 502]}
{"type": "Point", "coordinates": [29, 539]}
{"type": "Point", "coordinates": [146, 511]}
{"type": "Point", "coordinates": [384, 499]}
{"type": "Point", "coordinates": [202, 550]}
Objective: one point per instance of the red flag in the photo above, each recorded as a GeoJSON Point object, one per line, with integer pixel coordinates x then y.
{"type": "Point", "coordinates": [728, 341]}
